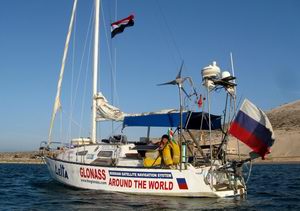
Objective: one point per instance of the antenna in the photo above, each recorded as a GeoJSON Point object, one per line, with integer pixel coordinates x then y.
{"type": "Point", "coordinates": [232, 71]}
{"type": "Point", "coordinates": [232, 66]}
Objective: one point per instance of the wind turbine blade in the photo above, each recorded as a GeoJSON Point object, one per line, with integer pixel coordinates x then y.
{"type": "Point", "coordinates": [168, 83]}
{"type": "Point", "coordinates": [180, 70]}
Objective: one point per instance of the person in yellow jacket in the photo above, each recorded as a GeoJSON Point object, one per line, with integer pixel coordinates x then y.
{"type": "Point", "coordinates": [170, 149]}
{"type": "Point", "coordinates": [174, 146]}
{"type": "Point", "coordinates": [170, 152]}
{"type": "Point", "coordinates": [165, 147]}
{"type": "Point", "coordinates": [164, 152]}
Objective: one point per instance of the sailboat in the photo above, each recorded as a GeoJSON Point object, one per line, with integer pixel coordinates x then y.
{"type": "Point", "coordinates": [173, 169]}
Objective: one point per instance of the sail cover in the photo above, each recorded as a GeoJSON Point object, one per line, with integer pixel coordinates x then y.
{"type": "Point", "coordinates": [191, 120]}
{"type": "Point", "coordinates": [105, 111]}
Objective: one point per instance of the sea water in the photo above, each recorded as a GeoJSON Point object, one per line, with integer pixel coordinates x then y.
{"type": "Point", "coordinates": [29, 187]}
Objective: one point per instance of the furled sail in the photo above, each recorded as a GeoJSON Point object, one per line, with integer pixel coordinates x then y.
{"type": "Point", "coordinates": [105, 111]}
{"type": "Point", "coordinates": [57, 104]}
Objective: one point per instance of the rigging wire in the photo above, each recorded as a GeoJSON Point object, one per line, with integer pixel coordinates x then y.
{"type": "Point", "coordinates": [82, 57]}
{"type": "Point", "coordinates": [169, 30]}
{"type": "Point", "coordinates": [72, 120]}
{"type": "Point", "coordinates": [86, 71]}
{"type": "Point", "coordinates": [168, 45]}
{"type": "Point", "coordinates": [108, 45]}
{"type": "Point", "coordinates": [84, 91]}
{"type": "Point", "coordinates": [112, 68]}
{"type": "Point", "coordinates": [74, 94]}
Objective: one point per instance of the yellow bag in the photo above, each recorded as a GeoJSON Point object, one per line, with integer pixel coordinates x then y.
{"type": "Point", "coordinates": [176, 152]}
{"type": "Point", "coordinates": [152, 154]}
{"type": "Point", "coordinates": [167, 155]}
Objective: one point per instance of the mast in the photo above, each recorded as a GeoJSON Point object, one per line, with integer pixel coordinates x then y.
{"type": "Point", "coordinates": [95, 71]}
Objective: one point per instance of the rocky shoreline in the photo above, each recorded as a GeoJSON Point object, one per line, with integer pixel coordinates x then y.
{"type": "Point", "coordinates": [20, 157]}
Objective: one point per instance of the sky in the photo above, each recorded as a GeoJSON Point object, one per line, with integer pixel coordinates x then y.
{"type": "Point", "coordinates": [262, 35]}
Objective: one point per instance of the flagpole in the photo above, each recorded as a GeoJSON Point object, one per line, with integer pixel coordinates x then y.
{"type": "Point", "coordinates": [209, 127]}
{"type": "Point", "coordinates": [113, 81]}
{"type": "Point", "coordinates": [180, 129]}
{"type": "Point", "coordinates": [113, 74]}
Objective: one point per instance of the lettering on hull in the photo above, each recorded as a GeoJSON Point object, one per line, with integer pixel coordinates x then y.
{"type": "Point", "coordinates": [139, 174]}
{"type": "Point", "coordinates": [60, 171]}
{"type": "Point", "coordinates": [131, 179]}
{"type": "Point", "coordinates": [92, 175]}
{"type": "Point", "coordinates": [141, 184]}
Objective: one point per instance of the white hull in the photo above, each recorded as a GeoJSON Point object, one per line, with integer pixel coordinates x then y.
{"type": "Point", "coordinates": [167, 182]}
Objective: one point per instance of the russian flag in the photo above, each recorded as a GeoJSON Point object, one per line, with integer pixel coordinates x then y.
{"type": "Point", "coordinates": [182, 184]}
{"type": "Point", "coordinates": [252, 126]}
{"type": "Point", "coordinates": [119, 26]}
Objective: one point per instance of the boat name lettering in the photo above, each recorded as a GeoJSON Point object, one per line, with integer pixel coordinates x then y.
{"type": "Point", "coordinates": [60, 171]}
{"type": "Point", "coordinates": [141, 184]}
{"type": "Point", "coordinates": [139, 174]}
{"type": "Point", "coordinates": [92, 173]}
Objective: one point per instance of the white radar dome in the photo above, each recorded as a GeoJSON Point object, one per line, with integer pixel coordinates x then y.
{"type": "Point", "coordinates": [211, 71]}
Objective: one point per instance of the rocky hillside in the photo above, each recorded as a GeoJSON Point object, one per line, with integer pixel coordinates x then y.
{"type": "Point", "coordinates": [286, 117]}
{"type": "Point", "coordinates": [285, 120]}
